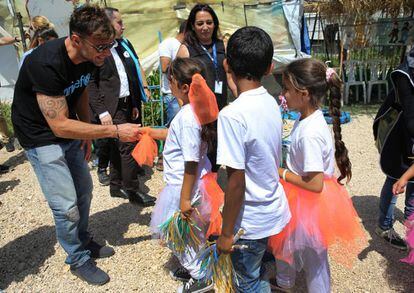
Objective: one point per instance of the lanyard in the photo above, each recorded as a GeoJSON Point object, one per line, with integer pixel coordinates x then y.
{"type": "Point", "coordinates": [141, 87]}
{"type": "Point", "coordinates": [213, 59]}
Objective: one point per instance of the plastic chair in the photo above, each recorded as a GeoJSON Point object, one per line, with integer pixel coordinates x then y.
{"type": "Point", "coordinates": [352, 75]}
{"type": "Point", "coordinates": [377, 76]}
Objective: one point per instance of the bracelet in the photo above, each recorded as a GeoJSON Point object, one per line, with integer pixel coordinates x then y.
{"type": "Point", "coordinates": [145, 87]}
{"type": "Point", "coordinates": [117, 131]}
{"type": "Point", "coordinates": [284, 174]}
{"type": "Point", "coordinates": [16, 40]}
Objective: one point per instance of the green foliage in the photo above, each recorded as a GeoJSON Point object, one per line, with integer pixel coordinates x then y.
{"type": "Point", "coordinates": [152, 110]}
{"type": "Point", "coordinates": [5, 112]}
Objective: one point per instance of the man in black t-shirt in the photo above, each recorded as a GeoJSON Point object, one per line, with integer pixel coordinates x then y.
{"type": "Point", "coordinates": [50, 115]}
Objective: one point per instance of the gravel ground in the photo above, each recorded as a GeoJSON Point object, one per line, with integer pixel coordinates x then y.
{"type": "Point", "coordinates": [32, 261]}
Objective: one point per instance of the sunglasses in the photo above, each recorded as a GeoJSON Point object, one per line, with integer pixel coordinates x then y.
{"type": "Point", "coordinates": [102, 47]}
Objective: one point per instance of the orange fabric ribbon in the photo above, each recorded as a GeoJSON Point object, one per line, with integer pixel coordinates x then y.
{"type": "Point", "coordinates": [146, 149]}
{"type": "Point", "coordinates": [202, 100]}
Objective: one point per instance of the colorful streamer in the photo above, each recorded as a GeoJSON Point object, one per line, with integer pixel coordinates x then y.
{"type": "Point", "coordinates": [179, 233]}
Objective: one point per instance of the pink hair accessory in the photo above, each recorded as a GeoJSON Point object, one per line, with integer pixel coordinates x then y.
{"type": "Point", "coordinates": [283, 103]}
{"type": "Point", "coordinates": [329, 73]}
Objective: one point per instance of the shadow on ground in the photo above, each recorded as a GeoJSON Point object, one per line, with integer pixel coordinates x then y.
{"type": "Point", "coordinates": [399, 275]}
{"type": "Point", "coordinates": [8, 185]}
{"type": "Point", "coordinates": [17, 159]}
{"type": "Point", "coordinates": [26, 255]}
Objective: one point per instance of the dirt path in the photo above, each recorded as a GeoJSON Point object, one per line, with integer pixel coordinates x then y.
{"type": "Point", "coordinates": [32, 261]}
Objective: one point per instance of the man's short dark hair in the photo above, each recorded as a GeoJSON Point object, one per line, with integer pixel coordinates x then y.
{"type": "Point", "coordinates": [91, 20]}
{"type": "Point", "coordinates": [250, 52]}
{"type": "Point", "coordinates": [181, 30]}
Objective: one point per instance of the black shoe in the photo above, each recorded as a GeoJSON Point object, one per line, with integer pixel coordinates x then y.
{"type": "Point", "coordinates": [90, 273]}
{"type": "Point", "coordinates": [103, 177]}
{"type": "Point", "coordinates": [10, 145]}
{"type": "Point", "coordinates": [99, 251]}
{"type": "Point", "coordinates": [274, 286]}
{"type": "Point", "coordinates": [392, 238]}
{"type": "Point", "coordinates": [141, 172]}
{"type": "Point", "coordinates": [141, 198]}
{"type": "Point", "coordinates": [4, 169]}
{"type": "Point", "coordinates": [118, 193]}
{"type": "Point", "coordinates": [196, 286]}
{"type": "Point", "coordinates": [180, 274]}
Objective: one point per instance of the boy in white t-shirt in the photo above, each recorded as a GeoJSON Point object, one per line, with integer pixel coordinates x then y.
{"type": "Point", "coordinates": [249, 145]}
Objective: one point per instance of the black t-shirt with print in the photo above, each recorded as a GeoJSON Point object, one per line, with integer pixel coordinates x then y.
{"type": "Point", "coordinates": [49, 71]}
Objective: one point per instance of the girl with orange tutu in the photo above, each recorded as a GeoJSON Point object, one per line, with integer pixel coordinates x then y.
{"type": "Point", "coordinates": [398, 188]}
{"type": "Point", "coordinates": [322, 213]}
{"type": "Point", "coordinates": [191, 188]}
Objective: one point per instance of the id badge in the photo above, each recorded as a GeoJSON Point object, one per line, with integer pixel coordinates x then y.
{"type": "Point", "coordinates": [218, 87]}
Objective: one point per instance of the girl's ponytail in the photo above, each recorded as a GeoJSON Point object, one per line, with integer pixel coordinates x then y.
{"type": "Point", "coordinates": [341, 152]}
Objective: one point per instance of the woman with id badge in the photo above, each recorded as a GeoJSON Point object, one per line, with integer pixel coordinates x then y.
{"type": "Point", "coordinates": [201, 42]}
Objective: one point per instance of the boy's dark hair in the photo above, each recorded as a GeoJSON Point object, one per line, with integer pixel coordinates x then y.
{"type": "Point", "coordinates": [91, 20]}
{"type": "Point", "coordinates": [250, 52]}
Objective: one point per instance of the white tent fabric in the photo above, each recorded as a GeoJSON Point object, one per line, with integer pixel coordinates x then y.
{"type": "Point", "coordinates": [146, 20]}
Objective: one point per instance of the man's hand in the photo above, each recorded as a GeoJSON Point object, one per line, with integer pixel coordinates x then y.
{"type": "Point", "coordinates": [186, 208]}
{"type": "Point", "coordinates": [135, 113]}
{"type": "Point", "coordinates": [225, 244]}
{"type": "Point", "coordinates": [128, 132]}
{"type": "Point", "coordinates": [399, 186]}
{"type": "Point", "coordinates": [86, 146]}
{"type": "Point", "coordinates": [106, 120]}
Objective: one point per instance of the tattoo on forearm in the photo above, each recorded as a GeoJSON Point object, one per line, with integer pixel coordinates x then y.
{"type": "Point", "coordinates": [51, 107]}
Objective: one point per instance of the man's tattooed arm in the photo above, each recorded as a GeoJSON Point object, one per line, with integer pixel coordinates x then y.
{"type": "Point", "coordinates": [53, 107]}
{"type": "Point", "coordinates": [56, 112]}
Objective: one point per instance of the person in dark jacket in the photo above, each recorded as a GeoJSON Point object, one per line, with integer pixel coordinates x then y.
{"type": "Point", "coordinates": [398, 152]}
{"type": "Point", "coordinates": [115, 95]}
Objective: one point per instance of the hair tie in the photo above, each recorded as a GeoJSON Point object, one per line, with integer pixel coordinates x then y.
{"type": "Point", "coordinates": [329, 73]}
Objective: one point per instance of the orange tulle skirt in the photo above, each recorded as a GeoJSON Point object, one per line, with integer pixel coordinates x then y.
{"type": "Point", "coordinates": [215, 197]}
{"type": "Point", "coordinates": [320, 221]}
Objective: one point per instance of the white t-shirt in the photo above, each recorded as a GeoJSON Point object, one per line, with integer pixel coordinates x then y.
{"type": "Point", "coordinates": [168, 48]}
{"type": "Point", "coordinates": [183, 144]}
{"type": "Point", "coordinates": [311, 148]}
{"type": "Point", "coordinates": [250, 139]}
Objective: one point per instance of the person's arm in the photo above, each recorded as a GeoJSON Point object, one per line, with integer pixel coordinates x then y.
{"type": "Point", "coordinates": [96, 99]}
{"type": "Point", "coordinates": [165, 62]}
{"type": "Point", "coordinates": [155, 133]}
{"type": "Point", "coordinates": [405, 92]}
{"type": "Point", "coordinates": [233, 200]}
{"type": "Point", "coordinates": [190, 178]}
{"type": "Point", "coordinates": [8, 40]}
{"type": "Point", "coordinates": [311, 148]}
{"type": "Point", "coordinates": [183, 52]}
{"type": "Point", "coordinates": [399, 186]}
{"type": "Point", "coordinates": [56, 112]}
{"type": "Point", "coordinates": [312, 182]}
{"type": "Point", "coordinates": [231, 152]}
